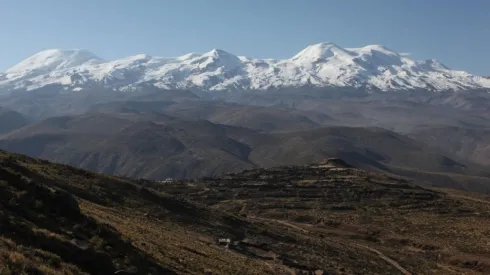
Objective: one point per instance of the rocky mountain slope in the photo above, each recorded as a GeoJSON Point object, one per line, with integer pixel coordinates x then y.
{"type": "Point", "coordinates": [319, 65]}
{"type": "Point", "coordinates": [322, 219]}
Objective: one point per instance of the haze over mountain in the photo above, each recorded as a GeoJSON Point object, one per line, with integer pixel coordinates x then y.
{"type": "Point", "coordinates": [156, 145]}
{"type": "Point", "coordinates": [318, 65]}
{"type": "Point", "coordinates": [11, 120]}
{"type": "Point", "coordinates": [470, 143]}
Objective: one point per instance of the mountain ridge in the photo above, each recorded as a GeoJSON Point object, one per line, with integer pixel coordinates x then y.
{"type": "Point", "coordinates": [161, 145]}
{"type": "Point", "coordinates": [319, 65]}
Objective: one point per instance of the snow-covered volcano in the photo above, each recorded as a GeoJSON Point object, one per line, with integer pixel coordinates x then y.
{"type": "Point", "coordinates": [321, 65]}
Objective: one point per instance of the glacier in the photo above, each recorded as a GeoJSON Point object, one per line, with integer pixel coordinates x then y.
{"type": "Point", "coordinates": [318, 65]}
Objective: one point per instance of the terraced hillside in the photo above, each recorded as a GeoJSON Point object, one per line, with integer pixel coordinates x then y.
{"type": "Point", "coordinates": [426, 231]}
{"type": "Point", "coordinates": [318, 219]}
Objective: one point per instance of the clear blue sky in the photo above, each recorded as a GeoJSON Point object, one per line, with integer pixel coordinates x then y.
{"type": "Point", "coordinates": [457, 32]}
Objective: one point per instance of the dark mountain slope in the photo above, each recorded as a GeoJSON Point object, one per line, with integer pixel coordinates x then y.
{"type": "Point", "coordinates": [157, 146]}
{"type": "Point", "coordinates": [254, 117]}
{"type": "Point", "coordinates": [469, 143]}
{"type": "Point", "coordinates": [54, 100]}
{"type": "Point", "coordinates": [398, 111]}
{"type": "Point", "coordinates": [133, 146]}
{"type": "Point", "coordinates": [374, 149]}
{"type": "Point", "coordinates": [129, 106]}
{"type": "Point", "coordinates": [10, 120]}
{"type": "Point", "coordinates": [376, 144]}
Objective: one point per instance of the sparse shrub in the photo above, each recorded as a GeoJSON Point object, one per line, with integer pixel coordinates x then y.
{"type": "Point", "coordinates": [373, 235]}
{"type": "Point", "coordinates": [332, 223]}
{"type": "Point", "coordinates": [38, 204]}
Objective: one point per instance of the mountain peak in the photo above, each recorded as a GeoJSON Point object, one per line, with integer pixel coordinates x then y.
{"type": "Point", "coordinates": [318, 51]}
{"type": "Point", "coordinates": [221, 58]}
{"type": "Point", "coordinates": [54, 59]}
{"type": "Point", "coordinates": [219, 53]}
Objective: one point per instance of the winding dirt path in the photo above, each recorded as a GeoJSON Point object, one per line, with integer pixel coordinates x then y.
{"type": "Point", "coordinates": [387, 259]}
{"type": "Point", "coordinates": [469, 198]}
{"type": "Point", "coordinates": [377, 252]}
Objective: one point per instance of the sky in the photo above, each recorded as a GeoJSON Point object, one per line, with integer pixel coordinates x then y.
{"type": "Point", "coordinates": [456, 32]}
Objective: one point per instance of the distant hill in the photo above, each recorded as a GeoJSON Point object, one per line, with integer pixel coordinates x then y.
{"type": "Point", "coordinates": [470, 143]}
{"type": "Point", "coordinates": [255, 117]}
{"type": "Point", "coordinates": [10, 120]}
{"type": "Point", "coordinates": [129, 146]}
{"type": "Point", "coordinates": [322, 219]}
{"type": "Point", "coordinates": [158, 146]}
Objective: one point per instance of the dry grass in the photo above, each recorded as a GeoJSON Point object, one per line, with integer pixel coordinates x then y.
{"type": "Point", "coordinates": [281, 221]}
{"type": "Point", "coordinates": [19, 259]}
{"type": "Point", "coordinates": [422, 229]}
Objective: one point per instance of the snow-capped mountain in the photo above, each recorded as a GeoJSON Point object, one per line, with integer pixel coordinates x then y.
{"type": "Point", "coordinates": [321, 65]}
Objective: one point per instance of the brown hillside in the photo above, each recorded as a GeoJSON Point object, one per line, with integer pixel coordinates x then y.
{"type": "Point", "coordinates": [286, 220]}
